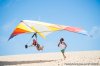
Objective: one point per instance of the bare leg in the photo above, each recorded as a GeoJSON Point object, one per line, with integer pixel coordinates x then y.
{"type": "Point", "coordinates": [64, 55]}
{"type": "Point", "coordinates": [40, 48]}
{"type": "Point", "coordinates": [63, 51]}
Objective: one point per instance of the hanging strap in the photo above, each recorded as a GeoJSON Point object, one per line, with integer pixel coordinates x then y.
{"type": "Point", "coordinates": [35, 34]}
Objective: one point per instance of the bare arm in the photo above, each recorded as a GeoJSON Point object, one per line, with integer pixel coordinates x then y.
{"type": "Point", "coordinates": [65, 44]}
{"type": "Point", "coordinates": [58, 44]}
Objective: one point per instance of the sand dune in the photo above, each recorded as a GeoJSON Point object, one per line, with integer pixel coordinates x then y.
{"type": "Point", "coordinates": [82, 58]}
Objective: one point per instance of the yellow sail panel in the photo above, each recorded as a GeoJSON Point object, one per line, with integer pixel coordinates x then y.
{"type": "Point", "coordinates": [24, 27]}
{"type": "Point", "coordinates": [52, 28]}
{"type": "Point", "coordinates": [40, 33]}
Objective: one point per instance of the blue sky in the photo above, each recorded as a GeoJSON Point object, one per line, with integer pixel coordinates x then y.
{"type": "Point", "coordinates": [80, 13]}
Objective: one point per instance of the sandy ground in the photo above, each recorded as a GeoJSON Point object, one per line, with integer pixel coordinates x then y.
{"type": "Point", "coordinates": [82, 58]}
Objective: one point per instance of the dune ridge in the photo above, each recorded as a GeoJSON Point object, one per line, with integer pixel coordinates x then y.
{"type": "Point", "coordinates": [80, 58]}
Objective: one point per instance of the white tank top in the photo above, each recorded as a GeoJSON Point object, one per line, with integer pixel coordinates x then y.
{"type": "Point", "coordinates": [62, 46]}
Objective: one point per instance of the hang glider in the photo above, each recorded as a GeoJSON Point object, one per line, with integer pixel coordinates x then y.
{"type": "Point", "coordinates": [43, 28]}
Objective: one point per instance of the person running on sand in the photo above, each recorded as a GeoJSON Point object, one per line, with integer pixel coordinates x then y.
{"type": "Point", "coordinates": [63, 46]}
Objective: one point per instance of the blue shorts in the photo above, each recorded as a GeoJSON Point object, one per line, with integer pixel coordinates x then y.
{"type": "Point", "coordinates": [63, 50]}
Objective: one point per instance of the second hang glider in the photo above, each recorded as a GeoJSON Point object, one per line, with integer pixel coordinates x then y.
{"type": "Point", "coordinates": [43, 28]}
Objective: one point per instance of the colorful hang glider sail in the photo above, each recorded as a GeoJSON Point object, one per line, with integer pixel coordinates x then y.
{"type": "Point", "coordinates": [42, 28]}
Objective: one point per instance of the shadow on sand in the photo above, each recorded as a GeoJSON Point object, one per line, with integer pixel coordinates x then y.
{"type": "Point", "coordinates": [3, 63]}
